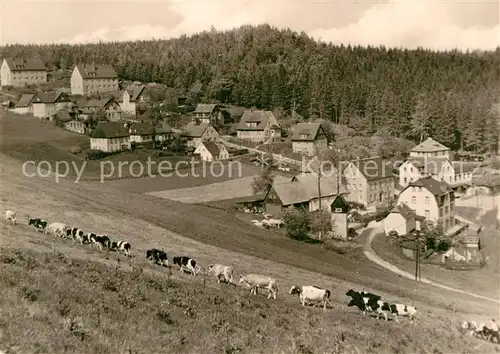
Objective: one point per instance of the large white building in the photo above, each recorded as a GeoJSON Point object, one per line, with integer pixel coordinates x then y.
{"type": "Point", "coordinates": [430, 148]}
{"type": "Point", "coordinates": [92, 79]}
{"type": "Point", "coordinates": [432, 199]}
{"type": "Point", "coordinates": [20, 72]}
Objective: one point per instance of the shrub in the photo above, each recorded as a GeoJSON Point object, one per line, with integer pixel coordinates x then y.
{"type": "Point", "coordinates": [95, 155]}
{"type": "Point", "coordinates": [75, 150]}
{"type": "Point", "coordinates": [297, 224]}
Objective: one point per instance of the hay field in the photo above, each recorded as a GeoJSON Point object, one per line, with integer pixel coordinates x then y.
{"type": "Point", "coordinates": [232, 189]}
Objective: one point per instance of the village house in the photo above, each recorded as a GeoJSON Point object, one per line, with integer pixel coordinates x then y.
{"type": "Point", "coordinates": [25, 104]}
{"type": "Point", "coordinates": [131, 99]}
{"type": "Point", "coordinates": [107, 107]}
{"type": "Point", "coordinates": [196, 132]}
{"type": "Point", "coordinates": [142, 132]}
{"type": "Point", "coordinates": [91, 79]}
{"type": "Point", "coordinates": [210, 151]}
{"type": "Point", "coordinates": [455, 173]}
{"type": "Point", "coordinates": [209, 113]}
{"type": "Point", "coordinates": [20, 72]}
{"type": "Point", "coordinates": [47, 104]}
{"type": "Point", "coordinates": [302, 192]}
{"type": "Point", "coordinates": [402, 220]}
{"type": "Point", "coordinates": [369, 181]}
{"type": "Point", "coordinates": [110, 137]}
{"type": "Point", "coordinates": [432, 199]}
{"type": "Point", "coordinates": [258, 126]}
{"type": "Point", "coordinates": [308, 138]}
{"type": "Point", "coordinates": [67, 119]}
{"type": "Point", "coordinates": [430, 148]}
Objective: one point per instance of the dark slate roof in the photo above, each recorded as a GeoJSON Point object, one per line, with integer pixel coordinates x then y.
{"type": "Point", "coordinates": [163, 128]}
{"type": "Point", "coordinates": [259, 117]}
{"type": "Point", "coordinates": [101, 103]}
{"type": "Point", "coordinates": [18, 64]}
{"type": "Point", "coordinates": [25, 100]}
{"type": "Point", "coordinates": [141, 128]}
{"type": "Point", "coordinates": [205, 108]}
{"type": "Point", "coordinates": [97, 71]}
{"type": "Point", "coordinates": [438, 188]}
{"type": "Point", "coordinates": [212, 148]}
{"type": "Point", "coordinates": [194, 130]}
{"type": "Point", "coordinates": [47, 97]}
{"type": "Point", "coordinates": [306, 131]}
{"type": "Point", "coordinates": [135, 92]}
{"type": "Point", "coordinates": [374, 168]}
{"type": "Point", "coordinates": [405, 211]}
{"type": "Point", "coordinates": [429, 145]}
{"type": "Point", "coordinates": [108, 130]}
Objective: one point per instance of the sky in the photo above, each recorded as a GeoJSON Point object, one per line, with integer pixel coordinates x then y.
{"type": "Point", "coordinates": [434, 24]}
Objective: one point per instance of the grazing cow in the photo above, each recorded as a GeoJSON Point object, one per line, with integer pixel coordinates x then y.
{"type": "Point", "coordinates": [39, 224]}
{"type": "Point", "coordinates": [159, 257]}
{"type": "Point", "coordinates": [219, 270]}
{"type": "Point", "coordinates": [256, 281]}
{"type": "Point", "coordinates": [122, 246]}
{"type": "Point", "coordinates": [311, 293]}
{"type": "Point", "coordinates": [402, 310]}
{"type": "Point", "coordinates": [57, 228]}
{"type": "Point", "coordinates": [366, 302]}
{"type": "Point", "coordinates": [77, 235]}
{"type": "Point", "coordinates": [101, 241]}
{"type": "Point", "coordinates": [10, 216]}
{"type": "Point", "coordinates": [188, 263]}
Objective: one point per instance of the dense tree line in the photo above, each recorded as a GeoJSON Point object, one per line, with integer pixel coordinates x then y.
{"type": "Point", "coordinates": [409, 93]}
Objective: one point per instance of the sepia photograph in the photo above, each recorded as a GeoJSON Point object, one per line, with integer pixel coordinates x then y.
{"type": "Point", "coordinates": [249, 176]}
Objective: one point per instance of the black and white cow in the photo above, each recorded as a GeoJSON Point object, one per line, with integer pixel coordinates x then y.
{"type": "Point", "coordinates": [39, 224]}
{"type": "Point", "coordinates": [77, 235]}
{"type": "Point", "coordinates": [188, 263]}
{"type": "Point", "coordinates": [101, 241]}
{"type": "Point", "coordinates": [363, 301]}
{"type": "Point", "coordinates": [157, 256]}
{"type": "Point", "coordinates": [122, 246]}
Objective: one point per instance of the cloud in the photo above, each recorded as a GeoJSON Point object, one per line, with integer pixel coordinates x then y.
{"type": "Point", "coordinates": [407, 23]}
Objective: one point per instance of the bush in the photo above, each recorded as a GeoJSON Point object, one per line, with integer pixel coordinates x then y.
{"type": "Point", "coordinates": [75, 150]}
{"type": "Point", "coordinates": [297, 224]}
{"type": "Point", "coordinates": [95, 155]}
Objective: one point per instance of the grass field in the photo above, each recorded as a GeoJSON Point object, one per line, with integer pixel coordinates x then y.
{"type": "Point", "coordinates": [232, 189]}
{"type": "Point", "coordinates": [210, 236]}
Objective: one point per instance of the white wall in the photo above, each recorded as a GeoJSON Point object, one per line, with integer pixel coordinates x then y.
{"type": "Point", "coordinates": [76, 82]}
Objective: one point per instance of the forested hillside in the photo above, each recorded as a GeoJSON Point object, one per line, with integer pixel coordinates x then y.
{"type": "Point", "coordinates": [412, 93]}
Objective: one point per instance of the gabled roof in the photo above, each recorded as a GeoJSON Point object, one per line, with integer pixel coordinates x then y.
{"type": "Point", "coordinates": [304, 188]}
{"type": "Point", "coordinates": [205, 108]}
{"type": "Point", "coordinates": [135, 92]}
{"type": "Point", "coordinates": [259, 117]}
{"type": "Point", "coordinates": [438, 188]}
{"type": "Point", "coordinates": [108, 130]}
{"type": "Point", "coordinates": [97, 71]}
{"type": "Point", "coordinates": [373, 168]}
{"type": "Point", "coordinates": [25, 100]}
{"type": "Point", "coordinates": [405, 211]}
{"type": "Point", "coordinates": [141, 128]}
{"type": "Point", "coordinates": [306, 131]}
{"type": "Point", "coordinates": [429, 145]}
{"type": "Point", "coordinates": [194, 130]}
{"type": "Point", "coordinates": [21, 64]}
{"type": "Point", "coordinates": [163, 128]}
{"type": "Point", "coordinates": [48, 97]}
{"type": "Point", "coordinates": [212, 148]}
{"type": "Point", "coordinates": [100, 103]}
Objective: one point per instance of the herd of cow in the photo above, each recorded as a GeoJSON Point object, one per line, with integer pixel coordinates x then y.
{"type": "Point", "coordinates": [308, 294]}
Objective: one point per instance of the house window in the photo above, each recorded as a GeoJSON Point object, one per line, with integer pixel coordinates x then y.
{"type": "Point", "coordinates": [427, 200]}
{"type": "Point", "coordinates": [427, 213]}
{"type": "Point", "coordinates": [404, 169]}
{"type": "Point", "coordinates": [414, 200]}
{"type": "Point", "coordinates": [405, 180]}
